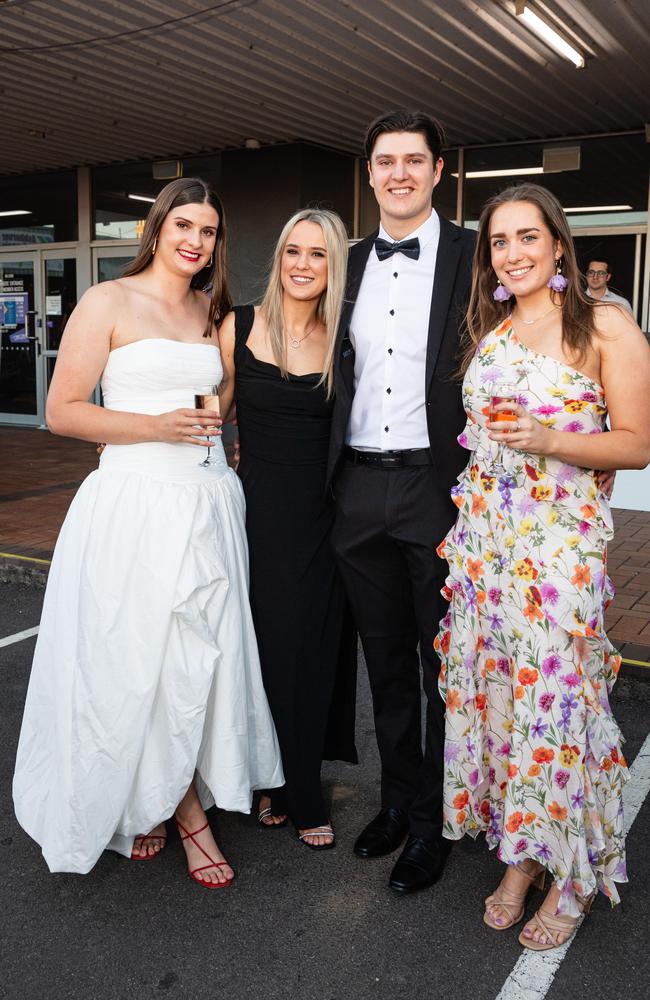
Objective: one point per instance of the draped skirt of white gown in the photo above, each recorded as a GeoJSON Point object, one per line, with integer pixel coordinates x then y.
{"type": "Point", "coordinates": [146, 666]}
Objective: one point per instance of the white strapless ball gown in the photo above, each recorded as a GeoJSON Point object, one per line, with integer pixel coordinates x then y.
{"type": "Point", "coordinates": [146, 666]}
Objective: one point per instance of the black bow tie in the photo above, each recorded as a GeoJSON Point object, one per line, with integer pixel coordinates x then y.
{"type": "Point", "coordinates": [410, 248]}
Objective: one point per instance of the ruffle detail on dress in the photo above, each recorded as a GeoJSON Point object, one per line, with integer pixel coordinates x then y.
{"type": "Point", "coordinates": [468, 658]}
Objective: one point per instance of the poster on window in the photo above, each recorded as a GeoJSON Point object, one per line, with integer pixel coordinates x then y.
{"type": "Point", "coordinates": [13, 309]}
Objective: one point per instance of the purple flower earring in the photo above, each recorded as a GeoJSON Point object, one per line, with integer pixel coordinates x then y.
{"type": "Point", "coordinates": [558, 282]}
{"type": "Point", "coordinates": [501, 293]}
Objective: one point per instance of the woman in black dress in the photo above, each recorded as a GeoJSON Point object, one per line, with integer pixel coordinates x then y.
{"type": "Point", "coordinates": [278, 359]}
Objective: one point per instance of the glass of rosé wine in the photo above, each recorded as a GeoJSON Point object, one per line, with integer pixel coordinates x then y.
{"type": "Point", "coordinates": [502, 392]}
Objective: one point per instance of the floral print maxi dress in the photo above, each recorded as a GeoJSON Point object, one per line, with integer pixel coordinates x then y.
{"type": "Point", "coordinates": [532, 751]}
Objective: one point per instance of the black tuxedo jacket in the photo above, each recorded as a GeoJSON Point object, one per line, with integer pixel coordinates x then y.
{"type": "Point", "coordinates": [445, 414]}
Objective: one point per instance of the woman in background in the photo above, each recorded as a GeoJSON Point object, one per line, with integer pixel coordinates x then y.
{"type": "Point", "coordinates": [280, 356]}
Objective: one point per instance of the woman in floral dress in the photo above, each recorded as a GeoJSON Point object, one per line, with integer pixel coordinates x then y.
{"type": "Point", "coordinates": [533, 754]}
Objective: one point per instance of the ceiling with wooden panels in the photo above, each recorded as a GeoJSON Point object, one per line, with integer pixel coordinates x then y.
{"type": "Point", "coordinates": [110, 81]}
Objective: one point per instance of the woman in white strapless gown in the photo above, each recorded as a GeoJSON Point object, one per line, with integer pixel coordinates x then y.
{"type": "Point", "coordinates": [145, 698]}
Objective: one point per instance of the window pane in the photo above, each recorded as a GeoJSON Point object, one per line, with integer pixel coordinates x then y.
{"type": "Point", "coordinates": [118, 213]}
{"type": "Point", "coordinates": [48, 207]}
{"type": "Point", "coordinates": [610, 185]}
{"type": "Point", "coordinates": [60, 298]}
{"type": "Point", "coordinates": [109, 268]}
{"type": "Point", "coordinates": [17, 337]}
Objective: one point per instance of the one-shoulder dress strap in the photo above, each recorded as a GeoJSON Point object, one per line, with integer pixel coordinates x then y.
{"type": "Point", "coordinates": [244, 319]}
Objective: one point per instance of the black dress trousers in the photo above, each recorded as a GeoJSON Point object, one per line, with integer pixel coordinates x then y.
{"type": "Point", "coordinates": [388, 524]}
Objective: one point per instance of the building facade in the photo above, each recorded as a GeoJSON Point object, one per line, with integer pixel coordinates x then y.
{"type": "Point", "coordinates": [273, 117]}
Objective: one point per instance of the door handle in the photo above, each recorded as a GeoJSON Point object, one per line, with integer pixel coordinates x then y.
{"type": "Point", "coordinates": [33, 313]}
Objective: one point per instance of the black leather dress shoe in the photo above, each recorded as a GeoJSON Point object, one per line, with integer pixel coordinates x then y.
{"type": "Point", "coordinates": [420, 864]}
{"type": "Point", "coordinates": [383, 834]}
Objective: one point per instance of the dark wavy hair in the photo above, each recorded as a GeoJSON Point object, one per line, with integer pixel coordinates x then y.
{"type": "Point", "coordinates": [213, 277]}
{"type": "Point", "coordinates": [403, 120]}
{"type": "Point", "coordinates": [484, 314]}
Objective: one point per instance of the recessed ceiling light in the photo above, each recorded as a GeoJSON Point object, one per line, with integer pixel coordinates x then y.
{"type": "Point", "coordinates": [506, 172]}
{"type": "Point", "coordinates": [601, 208]}
{"type": "Point", "coordinates": [548, 34]}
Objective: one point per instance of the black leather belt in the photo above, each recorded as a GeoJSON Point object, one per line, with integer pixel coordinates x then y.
{"type": "Point", "coordinates": [388, 459]}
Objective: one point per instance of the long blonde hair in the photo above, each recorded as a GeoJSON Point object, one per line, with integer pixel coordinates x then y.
{"type": "Point", "coordinates": [329, 306]}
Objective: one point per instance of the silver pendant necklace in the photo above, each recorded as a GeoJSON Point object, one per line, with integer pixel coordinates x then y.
{"type": "Point", "coordinates": [295, 342]}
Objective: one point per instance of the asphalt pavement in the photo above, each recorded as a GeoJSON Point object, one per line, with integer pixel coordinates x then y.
{"type": "Point", "coordinates": [295, 923]}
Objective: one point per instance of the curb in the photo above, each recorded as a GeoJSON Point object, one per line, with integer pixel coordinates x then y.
{"type": "Point", "coordinates": [31, 572]}
{"type": "Point", "coordinates": [636, 668]}
{"type": "Point", "coordinates": [23, 569]}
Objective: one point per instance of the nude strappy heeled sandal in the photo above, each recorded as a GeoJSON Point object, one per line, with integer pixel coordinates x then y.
{"type": "Point", "coordinates": [553, 925]}
{"type": "Point", "coordinates": [512, 902]}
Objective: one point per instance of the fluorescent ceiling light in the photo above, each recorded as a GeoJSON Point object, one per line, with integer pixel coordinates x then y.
{"type": "Point", "coordinates": [601, 208]}
{"type": "Point", "coordinates": [141, 197]}
{"type": "Point", "coordinates": [508, 172]}
{"type": "Point", "coordinates": [549, 35]}
{"type": "Point", "coordinates": [16, 211]}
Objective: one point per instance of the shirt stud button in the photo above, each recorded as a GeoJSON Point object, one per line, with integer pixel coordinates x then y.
{"type": "Point", "coordinates": [390, 350]}
{"type": "Point", "coordinates": [388, 391]}
{"type": "Point", "coordinates": [394, 274]}
{"type": "Point", "coordinates": [386, 427]}
{"type": "Point", "coordinates": [392, 312]}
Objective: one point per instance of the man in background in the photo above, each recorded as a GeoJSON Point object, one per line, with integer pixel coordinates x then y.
{"type": "Point", "coordinates": [598, 278]}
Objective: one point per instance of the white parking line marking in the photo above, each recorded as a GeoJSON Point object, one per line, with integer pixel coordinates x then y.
{"type": "Point", "coordinates": [19, 636]}
{"type": "Point", "coordinates": [533, 975]}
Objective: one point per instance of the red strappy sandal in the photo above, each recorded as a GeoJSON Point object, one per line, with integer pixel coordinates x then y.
{"type": "Point", "coordinates": [213, 864]}
{"type": "Point", "coordinates": [148, 857]}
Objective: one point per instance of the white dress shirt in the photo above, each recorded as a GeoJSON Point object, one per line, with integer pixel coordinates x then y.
{"type": "Point", "coordinates": [389, 331]}
{"type": "Point", "coordinates": [610, 297]}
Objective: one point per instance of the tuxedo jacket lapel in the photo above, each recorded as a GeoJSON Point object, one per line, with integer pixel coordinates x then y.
{"type": "Point", "coordinates": [356, 266]}
{"type": "Point", "coordinates": [447, 259]}
{"type": "Point", "coordinates": [344, 353]}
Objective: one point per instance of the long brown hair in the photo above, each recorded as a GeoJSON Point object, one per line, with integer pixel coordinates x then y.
{"type": "Point", "coordinates": [213, 277]}
{"type": "Point", "coordinates": [484, 313]}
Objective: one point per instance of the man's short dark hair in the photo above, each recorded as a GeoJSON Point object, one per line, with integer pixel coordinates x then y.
{"type": "Point", "coordinates": [598, 260]}
{"type": "Point", "coordinates": [406, 121]}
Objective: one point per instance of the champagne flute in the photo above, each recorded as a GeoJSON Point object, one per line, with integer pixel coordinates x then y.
{"type": "Point", "coordinates": [206, 397]}
{"type": "Point", "coordinates": [502, 392]}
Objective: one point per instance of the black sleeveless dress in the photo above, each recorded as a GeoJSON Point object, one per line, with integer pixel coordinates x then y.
{"type": "Point", "coordinates": [304, 628]}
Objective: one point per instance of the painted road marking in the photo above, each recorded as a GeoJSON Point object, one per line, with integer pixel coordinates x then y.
{"type": "Point", "coordinates": [533, 975]}
{"type": "Point", "coordinates": [12, 555]}
{"type": "Point", "coordinates": [19, 636]}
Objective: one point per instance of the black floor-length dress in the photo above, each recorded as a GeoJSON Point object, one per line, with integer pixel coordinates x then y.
{"type": "Point", "coordinates": [304, 629]}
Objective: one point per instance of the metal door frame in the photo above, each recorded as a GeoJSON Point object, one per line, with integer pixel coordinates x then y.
{"type": "Point", "coordinates": [46, 253]}
{"type": "Point", "coordinates": [641, 292]}
{"type": "Point", "coordinates": [33, 257]}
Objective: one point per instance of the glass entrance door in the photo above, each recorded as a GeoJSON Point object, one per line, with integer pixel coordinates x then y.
{"type": "Point", "coordinates": [21, 374]}
{"type": "Point", "coordinates": [59, 299]}
{"type": "Point", "coordinates": [38, 291]}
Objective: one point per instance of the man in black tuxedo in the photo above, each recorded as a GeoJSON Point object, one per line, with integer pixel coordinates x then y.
{"type": "Point", "coordinates": [393, 460]}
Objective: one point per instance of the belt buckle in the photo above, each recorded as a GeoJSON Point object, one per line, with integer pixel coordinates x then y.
{"type": "Point", "coordinates": [392, 461]}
